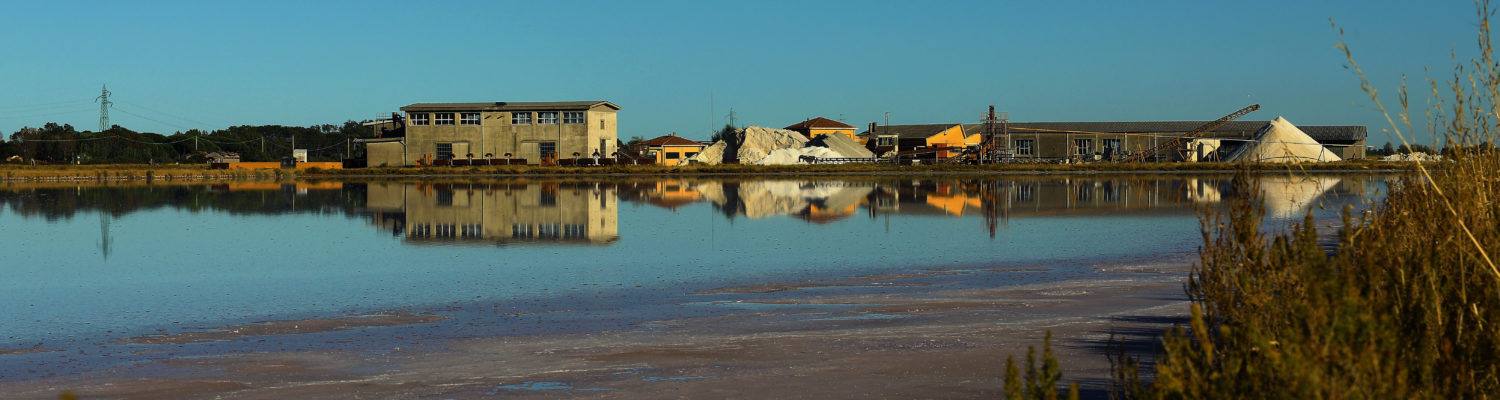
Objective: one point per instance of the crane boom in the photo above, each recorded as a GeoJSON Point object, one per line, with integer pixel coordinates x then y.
{"type": "Point", "coordinates": [1178, 142]}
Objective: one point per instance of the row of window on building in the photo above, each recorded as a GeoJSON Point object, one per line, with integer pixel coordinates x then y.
{"type": "Point", "coordinates": [516, 118]}
{"type": "Point", "coordinates": [549, 231]}
{"type": "Point", "coordinates": [1027, 147]}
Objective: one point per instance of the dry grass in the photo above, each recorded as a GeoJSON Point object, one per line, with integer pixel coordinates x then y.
{"type": "Point", "coordinates": [1405, 306]}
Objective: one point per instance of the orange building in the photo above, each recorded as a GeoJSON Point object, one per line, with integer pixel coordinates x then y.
{"type": "Point", "coordinates": [822, 126]}
{"type": "Point", "coordinates": [671, 149]}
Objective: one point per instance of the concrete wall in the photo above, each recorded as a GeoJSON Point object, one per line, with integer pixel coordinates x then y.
{"type": "Point", "coordinates": [277, 165]}
{"type": "Point", "coordinates": [387, 154]}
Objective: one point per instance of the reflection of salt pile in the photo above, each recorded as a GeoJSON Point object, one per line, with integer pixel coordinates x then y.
{"type": "Point", "coordinates": [1204, 191]}
{"type": "Point", "coordinates": [1282, 142]}
{"type": "Point", "coordinates": [769, 198]}
{"type": "Point", "coordinates": [765, 146]}
{"type": "Point", "coordinates": [1290, 196]}
{"type": "Point", "coordinates": [1409, 157]}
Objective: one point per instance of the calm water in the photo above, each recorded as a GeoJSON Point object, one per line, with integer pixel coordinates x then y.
{"type": "Point", "coordinates": [85, 266]}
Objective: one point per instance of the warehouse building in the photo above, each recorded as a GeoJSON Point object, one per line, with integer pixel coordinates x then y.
{"type": "Point", "coordinates": [540, 133]}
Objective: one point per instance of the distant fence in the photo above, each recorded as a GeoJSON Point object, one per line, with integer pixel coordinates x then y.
{"type": "Point", "coordinates": [839, 160]}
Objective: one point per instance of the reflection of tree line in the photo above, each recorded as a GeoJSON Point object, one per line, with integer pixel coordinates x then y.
{"type": "Point", "coordinates": [63, 202]}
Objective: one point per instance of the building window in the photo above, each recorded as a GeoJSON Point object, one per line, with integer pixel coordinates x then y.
{"type": "Point", "coordinates": [546, 117]}
{"type": "Point", "coordinates": [601, 124]}
{"type": "Point", "coordinates": [444, 151]}
{"type": "Point", "coordinates": [885, 141]}
{"type": "Point", "coordinates": [689, 155]}
{"type": "Point", "coordinates": [418, 118]}
{"type": "Point", "coordinates": [1024, 147]}
{"type": "Point", "coordinates": [468, 119]}
{"type": "Point", "coordinates": [672, 155]}
{"type": "Point", "coordinates": [1113, 145]}
{"type": "Point", "coordinates": [1083, 146]}
{"type": "Point", "coordinates": [520, 118]}
{"type": "Point", "coordinates": [548, 149]}
{"type": "Point", "coordinates": [573, 117]}
{"type": "Point", "coordinates": [442, 119]}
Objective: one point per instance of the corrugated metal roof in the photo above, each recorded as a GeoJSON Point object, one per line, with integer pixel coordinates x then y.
{"type": "Point", "coordinates": [1233, 128]}
{"type": "Point", "coordinates": [911, 131]}
{"type": "Point", "coordinates": [510, 106]}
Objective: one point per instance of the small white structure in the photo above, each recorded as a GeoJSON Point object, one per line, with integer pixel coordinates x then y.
{"type": "Point", "coordinates": [300, 155]}
{"type": "Point", "coordinates": [1282, 142]}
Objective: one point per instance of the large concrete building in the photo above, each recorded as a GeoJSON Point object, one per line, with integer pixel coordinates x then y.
{"type": "Point", "coordinates": [539, 132]}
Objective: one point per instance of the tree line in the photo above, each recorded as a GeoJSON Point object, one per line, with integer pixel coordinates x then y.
{"type": "Point", "coordinates": [63, 144]}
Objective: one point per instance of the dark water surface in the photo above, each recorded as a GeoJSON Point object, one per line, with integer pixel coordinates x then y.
{"type": "Point", "coordinates": [86, 267]}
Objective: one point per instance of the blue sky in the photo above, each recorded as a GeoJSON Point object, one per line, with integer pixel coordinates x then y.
{"type": "Point", "coordinates": [680, 66]}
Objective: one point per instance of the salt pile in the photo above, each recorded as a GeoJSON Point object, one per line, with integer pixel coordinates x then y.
{"type": "Point", "coordinates": [1280, 141]}
{"type": "Point", "coordinates": [750, 145]}
{"type": "Point", "coordinates": [794, 156]}
{"type": "Point", "coordinates": [843, 145]}
{"type": "Point", "coordinates": [711, 155]}
{"type": "Point", "coordinates": [760, 141]}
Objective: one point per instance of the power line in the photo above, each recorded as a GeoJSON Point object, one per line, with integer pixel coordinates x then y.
{"type": "Point", "coordinates": [150, 119]}
{"type": "Point", "coordinates": [22, 107]}
{"type": "Point", "coordinates": [136, 105]}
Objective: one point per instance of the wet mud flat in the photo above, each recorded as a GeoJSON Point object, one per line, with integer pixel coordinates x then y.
{"type": "Point", "coordinates": [937, 333]}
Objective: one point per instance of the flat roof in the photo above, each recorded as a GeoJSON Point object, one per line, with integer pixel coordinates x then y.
{"type": "Point", "coordinates": [1242, 128]}
{"type": "Point", "coordinates": [511, 106]}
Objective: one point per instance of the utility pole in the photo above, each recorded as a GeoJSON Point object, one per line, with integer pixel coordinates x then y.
{"type": "Point", "coordinates": [104, 103]}
{"type": "Point", "coordinates": [731, 118]}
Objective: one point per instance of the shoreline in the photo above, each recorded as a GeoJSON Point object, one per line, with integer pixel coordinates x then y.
{"type": "Point", "coordinates": [930, 333]}
{"type": "Point", "coordinates": [198, 173]}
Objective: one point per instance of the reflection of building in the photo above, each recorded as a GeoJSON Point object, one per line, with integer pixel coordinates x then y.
{"type": "Point", "coordinates": [584, 213]}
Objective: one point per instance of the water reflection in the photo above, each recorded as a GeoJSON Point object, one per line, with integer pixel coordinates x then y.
{"type": "Point", "coordinates": [587, 212]}
{"type": "Point", "coordinates": [496, 213]}
{"type": "Point", "coordinates": [994, 200]}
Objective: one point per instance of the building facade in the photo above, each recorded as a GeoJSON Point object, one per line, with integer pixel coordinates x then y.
{"type": "Point", "coordinates": [1089, 141]}
{"type": "Point", "coordinates": [539, 132]}
{"type": "Point", "coordinates": [822, 126]}
{"type": "Point", "coordinates": [671, 149]}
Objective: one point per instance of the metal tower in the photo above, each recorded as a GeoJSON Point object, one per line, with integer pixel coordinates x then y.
{"type": "Point", "coordinates": [104, 103]}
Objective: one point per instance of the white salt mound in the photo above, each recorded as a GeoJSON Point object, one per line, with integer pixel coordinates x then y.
{"type": "Point", "coordinates": [761, 141]}
{"type": "Point", "coordinates": [794, 156]}
{"type": "Point", "coordinates": [711, 155]}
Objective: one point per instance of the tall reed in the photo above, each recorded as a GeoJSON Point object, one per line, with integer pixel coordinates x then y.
{"type": "Point", "coordinates": [1407, 305]}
